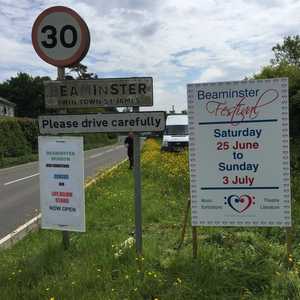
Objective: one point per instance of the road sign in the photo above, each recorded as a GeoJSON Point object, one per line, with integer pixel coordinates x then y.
{"type": "Point", "coordinates": [239, 153]}
{"type": "Point", "coordinates": [108, 92]}
{"type": "Point", "coordinates": [60, 36]}
{"type": "Point", "coordinates": [119, 122]}
{"type": "Point", "coordinates": [62, 183]}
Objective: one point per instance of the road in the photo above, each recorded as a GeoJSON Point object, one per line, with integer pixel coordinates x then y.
{"type": "Point", "coordinates": [19, 186]}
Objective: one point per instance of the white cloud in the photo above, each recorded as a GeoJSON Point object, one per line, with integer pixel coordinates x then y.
{"type": "Point", "coordinates": [174, 41]}
{"type": "Point", "coordinates": [211, 74]}
{"type": "Point", "coordinates": [165, 98]}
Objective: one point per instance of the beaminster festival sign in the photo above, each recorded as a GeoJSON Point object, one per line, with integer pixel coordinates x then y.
{"type": "Point", "coordinates": [239, 153]}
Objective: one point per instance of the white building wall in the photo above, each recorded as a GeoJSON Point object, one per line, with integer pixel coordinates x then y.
{"type": "Point", "coordinates": [6, 110]}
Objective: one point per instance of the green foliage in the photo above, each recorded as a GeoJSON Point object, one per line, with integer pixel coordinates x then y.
{"type": "Point", "coordinates": [282, 70]}
{"type": "Point", "coordinates": [14, 161]}
{"type": "Point", "coordinates": [288, 52]}
{"type": "Point", "coordinates": [94, 140]}
{"type": "Point", "coordinates": [232, 263]}
{"type": "Point", "coordinates": [81, 72]}
{"type": "Point", "coordinates": [12, 140]}
{"type": "Point", "coordinates": [30, 131]}
{"type": "Point", "coordinates": [26, 92]}
{"type": "Point", "coordinates": [19, 140]}
{"type": "Point", "coordinates": [19, 136]}
{"type": "Point", "coordinates": [287, 64]}
{"type": "Point", "coordinates": [293, 74]}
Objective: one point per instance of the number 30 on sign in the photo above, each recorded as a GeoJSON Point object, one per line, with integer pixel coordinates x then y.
{"type": "Point", "coordinates": [60, 36]}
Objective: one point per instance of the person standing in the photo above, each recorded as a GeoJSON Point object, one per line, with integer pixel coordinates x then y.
{"type": "Point", "coordinates": [129, 144]}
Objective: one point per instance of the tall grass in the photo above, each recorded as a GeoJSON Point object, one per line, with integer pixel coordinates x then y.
{"type": "Point", "coordinates": [102, 264]}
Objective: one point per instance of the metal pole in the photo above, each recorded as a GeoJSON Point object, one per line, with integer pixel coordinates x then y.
{"type": "Point", "coordinates": [137, 190]}
{"type": "Point", "coordinates": [65, 234]}
{"type": "Point", "coordinates": [60, 73]}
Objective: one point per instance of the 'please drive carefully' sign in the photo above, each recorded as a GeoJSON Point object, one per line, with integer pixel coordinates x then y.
{"type": "Point", "coordinates": [108, 92]}
{"type": "Point", "coordinates": [62, 183]}
{"type": "Point", "coordinates": [239, 153]}
{"type": "Point", "coordinates": [118, 122]}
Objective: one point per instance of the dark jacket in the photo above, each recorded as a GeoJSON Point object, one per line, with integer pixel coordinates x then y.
{"type": "Point", "coordinates": [129, 141]}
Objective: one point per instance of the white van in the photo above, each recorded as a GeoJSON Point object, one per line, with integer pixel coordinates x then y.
{"type": "Point", "coordinates": [176, 136]}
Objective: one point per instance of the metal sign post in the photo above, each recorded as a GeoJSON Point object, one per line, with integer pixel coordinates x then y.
{"type": "Point", "coordinates": [137, 190]}
{"type": "Point", "coordinates": [65, 234]}
{"type": "Point", "coordinates": [61, 38]}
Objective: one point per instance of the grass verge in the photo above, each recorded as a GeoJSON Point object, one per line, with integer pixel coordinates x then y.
{"type": "Point", "coordinates": [232, 263]}
{"type": "Point", "coordinates": [14, 161]}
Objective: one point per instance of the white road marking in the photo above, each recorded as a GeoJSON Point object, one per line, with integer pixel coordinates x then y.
{"type": "Point", "coordinates": [107, 151]}
{"type": "Point", "coordinates": [20, 179]}
{"type": "Point", "coordinates": [16, 235]}
{"type": "Point", "coordinates": [36, 174]}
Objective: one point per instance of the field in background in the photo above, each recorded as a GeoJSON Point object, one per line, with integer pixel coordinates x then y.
{"type": "Point", "coordinates": [232, 263]}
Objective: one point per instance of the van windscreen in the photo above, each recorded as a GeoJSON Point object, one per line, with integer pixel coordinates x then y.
{"type": "Point", "coordinates": [177, 130]}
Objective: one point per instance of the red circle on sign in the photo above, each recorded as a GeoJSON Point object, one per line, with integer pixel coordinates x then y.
{"type": "Point", "coordinates": [84, 41]}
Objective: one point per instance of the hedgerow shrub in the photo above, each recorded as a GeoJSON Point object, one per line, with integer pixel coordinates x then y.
{"type": "Point", "coordinates": [30, 131]}
{"type": "Point", "coordinates": [13, 142]}
{"type": "Point", "coordinates": [19, 137]}
{"type": "Point", "coordinates": [93, 140]}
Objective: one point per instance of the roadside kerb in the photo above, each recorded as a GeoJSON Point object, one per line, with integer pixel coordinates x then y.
{"type": "Point", "coordinates": [101, 175]}
{"type": "Point", "coordinates": [34, 224]}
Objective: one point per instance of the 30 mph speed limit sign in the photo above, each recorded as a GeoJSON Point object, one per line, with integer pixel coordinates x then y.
{"type": "Point", "coordinates": [60, 36]}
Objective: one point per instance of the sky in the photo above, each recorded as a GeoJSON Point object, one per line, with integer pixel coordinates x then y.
{"type": "Point", "coordinates": [174, 41]}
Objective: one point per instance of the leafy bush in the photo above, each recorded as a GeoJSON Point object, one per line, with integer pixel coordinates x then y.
{"type": "Point", "coordinates": [13, 143]}
{"type": "Point", "coordinates": [30, 131]}
{"type": "Point", "coordinates": [94, 140]}
{"type": "Point", "coordinates": [19, 140]}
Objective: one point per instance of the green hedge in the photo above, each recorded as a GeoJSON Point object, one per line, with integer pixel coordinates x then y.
{"type": "Point", "coordinates": [94, 140]}
{"type": "Point", "coordinates": [19, 137]}
{"type": "Point", "coordinates": [13, 142]}
{"type": "Point", "coordinates": [30, 131]}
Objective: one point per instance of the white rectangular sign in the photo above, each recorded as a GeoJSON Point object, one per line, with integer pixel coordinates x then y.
{"type": "Point", "coordinates": [118, 122]}
{"type": "Point", "coordinates": [107, 92]}
{"type": "Point", "coordinates": [239, 153]}
{"type": "Point", "coordinates": [62, 183]}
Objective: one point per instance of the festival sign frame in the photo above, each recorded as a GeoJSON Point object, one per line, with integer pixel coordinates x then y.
{"type": "Point", "coordinates": [239, 153]}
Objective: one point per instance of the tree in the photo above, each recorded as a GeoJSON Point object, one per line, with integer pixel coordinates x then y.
{"type": "Point", "coordinates": [288, 52]}
{"type": "Point", "coordinates": [287, 64]}
{"type": "Point", "coordinates": [26, 92]}
{"type": "Point", "coordinates": [282, 70]}
{"type": "Point", "coordinates": [81, 72]}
